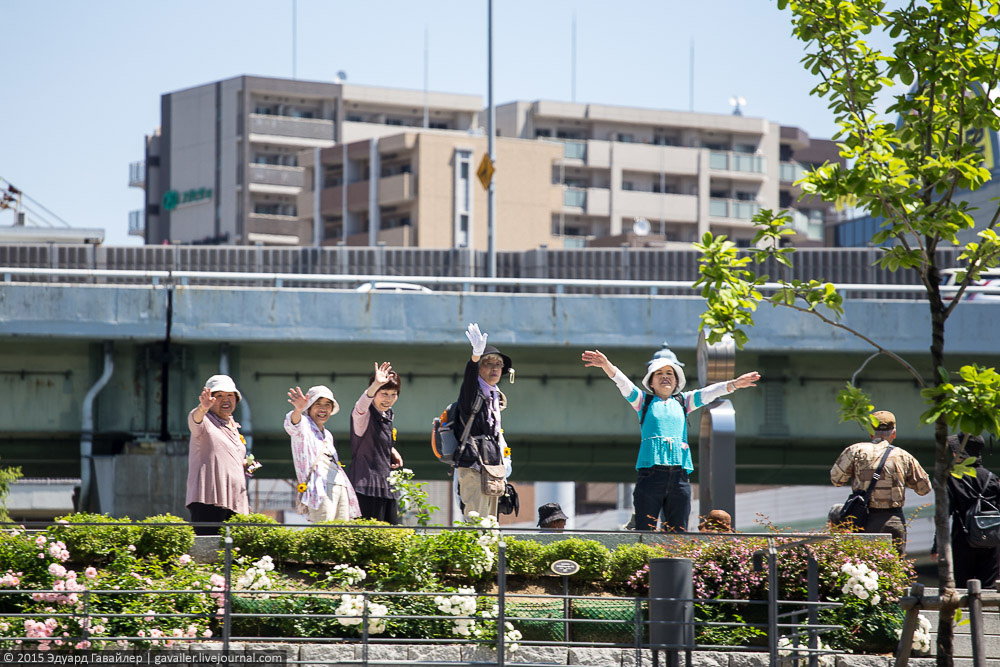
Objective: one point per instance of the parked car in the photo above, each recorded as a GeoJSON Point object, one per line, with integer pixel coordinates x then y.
{"type": "Point", "coordinates": [391, 287]}
{"type": "Point", "coordinates": [987, 278]}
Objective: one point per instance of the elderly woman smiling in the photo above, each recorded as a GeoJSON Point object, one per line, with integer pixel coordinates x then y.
{"type": "Point", "coordinates": [328, 493]}
{"type": "Point", "coordinates": [216, 483]}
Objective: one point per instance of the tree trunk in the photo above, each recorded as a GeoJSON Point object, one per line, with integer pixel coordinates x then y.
{"type": "Point", "coordinates": [942, 466]}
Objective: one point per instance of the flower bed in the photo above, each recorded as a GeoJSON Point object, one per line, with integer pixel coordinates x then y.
{"type": "Point", "coordinates": [325, 582]}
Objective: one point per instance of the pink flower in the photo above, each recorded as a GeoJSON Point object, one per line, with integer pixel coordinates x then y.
{"type": "Point", "coordinates": [207, 633]}
{"type": "Point", "coordinates": [184, 559]}
{"type": "Point", "coordinates": [131, 547]}
{"type": "Point", "coordinates": [90, 572]}
{"type": "Point", "coordinates": [40, 540]}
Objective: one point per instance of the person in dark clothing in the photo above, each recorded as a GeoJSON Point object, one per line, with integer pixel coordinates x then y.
{"type": "Point", "coordinates": [486, 443]}
{"type": "Point", "coordinates": [373, 451]}
{"type": "Point", "coordinates": [971, 562]}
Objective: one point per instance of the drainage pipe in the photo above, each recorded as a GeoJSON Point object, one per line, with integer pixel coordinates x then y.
{"type": "Point", "coordinates": [87, 427]}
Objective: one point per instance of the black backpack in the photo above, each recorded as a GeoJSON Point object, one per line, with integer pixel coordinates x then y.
{"type": "Point", "coordinates": [982, 521]}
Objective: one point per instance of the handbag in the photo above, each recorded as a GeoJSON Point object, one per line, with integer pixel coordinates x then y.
{"type": "Point", "coordinates": [492, 478]}
{"type": "Point", "coordinates": [982, 522]}
{"type": "Point", "coordinates": [509, 502]}
{"type": "Point", "coordinates": [855, 509]}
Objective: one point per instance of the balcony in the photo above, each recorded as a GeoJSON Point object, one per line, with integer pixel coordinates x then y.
{"type": "Point", "coordinates": [136, 223]}
{"type": "Point", "coordinates": [575, 150]}
{"type": "Point", "coordinates": [789, 172]}
{"type": "Point", "coordinates": [277, 175]}
{"type": "Point", "coordinates": [655, 206]}
{"type": "Point", "coordinates": [297, 131]}
{"type": "Point", "coordinates": [742, 162]}
{"type": "Point", "coordinates": [137, 174]}
{"type": "Point", "coordinates": [575, 197]}
{"type": "Point", "coordinates": [395, 189]}
{"type": "Point", "coordinates": [732, 208]}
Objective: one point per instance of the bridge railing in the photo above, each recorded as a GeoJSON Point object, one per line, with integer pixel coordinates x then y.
{"type": "Point", "coordinates": [10, 274]}
{"type": "Point", "coordinates": [837, 265]}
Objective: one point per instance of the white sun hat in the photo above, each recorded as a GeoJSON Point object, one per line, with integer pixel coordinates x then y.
{"type": "Point", "coordinates": [322, 391]}
{"type": "Point", "coordinates": [223, 383]}
{"type": "Point", "coordinates": [657, 364]}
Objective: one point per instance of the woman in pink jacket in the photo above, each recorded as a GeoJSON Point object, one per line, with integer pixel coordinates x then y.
{"type": "Point", "coordinates": [217, 482]}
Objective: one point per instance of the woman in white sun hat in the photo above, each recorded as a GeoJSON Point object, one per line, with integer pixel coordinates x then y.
{"type": "Point", "coordinates": [664, 460]}
{"type": "Point", "coordinates": [328, 493]}
{"type": "Point", "coordinates": [217, 482]}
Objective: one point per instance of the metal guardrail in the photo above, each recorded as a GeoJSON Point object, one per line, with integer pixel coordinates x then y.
{"type": "Point", "coordinates": [557, 286]}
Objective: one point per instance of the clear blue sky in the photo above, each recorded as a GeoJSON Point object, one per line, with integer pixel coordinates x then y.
{"type": "Point", "coordinates": [82, 80]}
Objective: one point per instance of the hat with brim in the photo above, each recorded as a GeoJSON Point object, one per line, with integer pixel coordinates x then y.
{"type": "Point", "coordinates": [550, 512]}
{"type": "Point", "coordinates": [657, 364]}
{"type": "Point", "coordinates": [492, 350]}
{"type": "Point", "coordinates": [225, 383]}
{"type": "Point", "coordinates": [318, 392]}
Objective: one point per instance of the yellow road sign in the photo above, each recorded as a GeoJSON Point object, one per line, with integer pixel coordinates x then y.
{"type": "Point", "coordinates": [485, 171]}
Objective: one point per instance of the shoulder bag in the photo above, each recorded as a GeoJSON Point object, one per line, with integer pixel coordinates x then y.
{"type": "Point", "coordinates": [982, 521]}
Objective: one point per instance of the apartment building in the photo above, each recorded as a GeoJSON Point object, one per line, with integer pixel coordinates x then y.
{"type": "Point", "coordinates": [223, 167]}
{"type": "Point", "coordinates": [420, 189]}
{"type": "Point", "coordinates": [684, 173]}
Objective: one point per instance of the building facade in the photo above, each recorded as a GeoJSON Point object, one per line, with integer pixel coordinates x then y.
{"type": "Point", "coordinates": [223, 166]}
{"type": "Point", "coordinates": [232, 164]}
{"type": "Point", "coordinates": [420, 189]}
{"type": "Point", "coordinates": [684, 173]}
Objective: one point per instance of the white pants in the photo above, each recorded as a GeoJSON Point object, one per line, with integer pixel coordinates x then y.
{"type": "Point", "coordinates": [333, 507]}
{"type": "Point", "coordinates": [470, 490]}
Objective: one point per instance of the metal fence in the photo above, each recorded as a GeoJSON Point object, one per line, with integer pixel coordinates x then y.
{"type": "Point", "coordinates": [627, 623]}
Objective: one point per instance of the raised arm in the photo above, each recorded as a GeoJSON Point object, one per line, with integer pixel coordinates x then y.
{"type": "Point", "coordinates": [205, 403]}
{"type": "Point", "coordinates": [629, 391]}
{"type": "Point", "coordinates": [298, 401]}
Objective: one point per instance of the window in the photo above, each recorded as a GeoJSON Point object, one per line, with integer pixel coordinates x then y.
{"type": "Point", "coordinates": [625, 138]}
{"type": "Point", "coordinates": [462, 221]}
{"type": "Point", "coordinates": [393, 121]}
{"type": "Point", "coordinates": [628, 185]}
{"type": "Point", "coordinates": [440, 126]}
{"type": "Point", "coordinates": [353, 118]}
{"type": "Point", "coordinates": [569, 134]}
{"type": "Point", "coordinates": [542, 132]}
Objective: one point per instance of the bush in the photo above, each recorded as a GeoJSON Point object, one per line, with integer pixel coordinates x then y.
{"type": "Point", "coordinates": [524, 557]}
{"type": "Point", "coordinates": [592, 556]}
{"type": "Point", "coordinates": [353, 546]}
{"type": "Point", "coordinates": [94, 545]}
{"type": "Point", "coordinates": [278, 542]}
{"type": "Point", "coordinates": [164, 542]}
{"type": "Point", "coordinates": [627, 559]}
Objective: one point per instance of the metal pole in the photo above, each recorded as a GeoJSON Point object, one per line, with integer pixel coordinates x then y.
{"type": "Point", "coordinates": [318, 230]}
{"type": "Point", "coordinates": [501, 599]}
{"type": "Point", "coordinates": [974, 587]}
{"type": "Point", "coordinates": [812, 614]}
{"type": "Point", "coordinates": [492, 130]}
{"type": "Point", "coordinates": [772, 600]}
{"type": "Point", "coordinates": [227, 597]}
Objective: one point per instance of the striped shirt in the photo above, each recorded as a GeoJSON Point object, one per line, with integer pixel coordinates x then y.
{"type": "Point", "coordinates": [664, 429]}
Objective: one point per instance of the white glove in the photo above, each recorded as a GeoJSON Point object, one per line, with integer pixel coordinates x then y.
{"type": "Point", "coordinates": [477, 338]}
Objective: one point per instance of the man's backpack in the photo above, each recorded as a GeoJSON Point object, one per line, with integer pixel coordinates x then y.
{"type": "Point", "coordinates": [982, 523]}
{"type": "Point", "coordinates": [444, 439]}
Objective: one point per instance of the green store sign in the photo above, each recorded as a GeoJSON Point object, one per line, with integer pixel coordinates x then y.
{"type": "Point", "coordinates": [172, 198]}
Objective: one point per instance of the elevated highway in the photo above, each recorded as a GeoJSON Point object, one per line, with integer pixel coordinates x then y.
{"type": "Point", "coordinates": [564, 422]}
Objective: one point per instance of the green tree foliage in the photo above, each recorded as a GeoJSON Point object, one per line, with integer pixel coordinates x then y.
{"type": "Point", "coordinates": [911, 173]}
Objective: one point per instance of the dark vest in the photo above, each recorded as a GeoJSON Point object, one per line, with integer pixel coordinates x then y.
{"type": "Point", "coordinates": [371, 455]}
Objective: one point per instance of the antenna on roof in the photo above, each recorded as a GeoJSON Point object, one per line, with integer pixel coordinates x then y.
{"type": "Point", "coordinates": [340, 77]}
{"type": "Point", "coordinates": [737, 102]}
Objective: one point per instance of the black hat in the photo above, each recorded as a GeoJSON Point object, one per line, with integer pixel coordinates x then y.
{"type": "Point", "coordinates": [506, 360]}
{"type": "Point", "coordinates": [550, 512]}
{"type": "Point", "coordinates": [973, 447]}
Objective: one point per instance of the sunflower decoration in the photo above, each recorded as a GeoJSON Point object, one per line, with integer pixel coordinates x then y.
{"type": "Point", "coordinates": [301, 488]}
{"type": "Point", "coordinates": [506, 452]}
{"type": "Point", "coordinates": [394, 435]}
{"type": "Point", "coordinates": [242, 439]}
